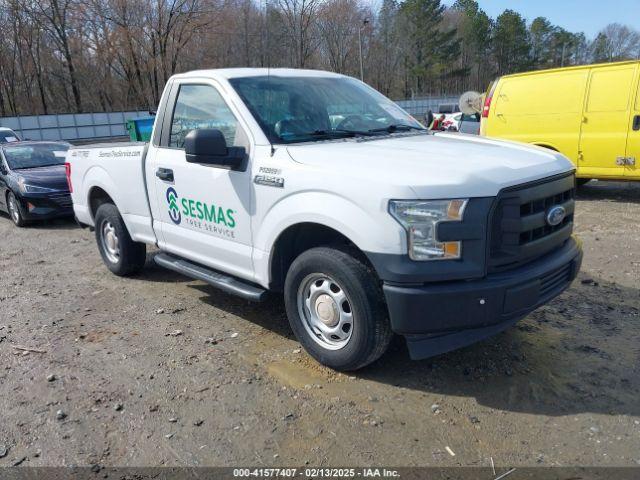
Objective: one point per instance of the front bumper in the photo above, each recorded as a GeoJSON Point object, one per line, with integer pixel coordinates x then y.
{"type": "Point", "coordinates": [440, 317]}
{"type": "Point", "coordinates": [46, 206]}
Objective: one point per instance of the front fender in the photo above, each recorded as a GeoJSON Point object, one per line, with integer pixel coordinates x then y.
{"type": "Point", "coordinates": [371, 229]}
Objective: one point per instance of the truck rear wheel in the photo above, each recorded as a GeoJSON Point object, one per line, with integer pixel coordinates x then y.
{"type": "Point", "coordinates": [335, 307]}
{"type": "Point", "coordinates": [122, 255]}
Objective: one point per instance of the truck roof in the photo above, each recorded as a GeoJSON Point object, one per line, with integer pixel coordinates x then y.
{"type": "Point", "coordinates": [228, 73]}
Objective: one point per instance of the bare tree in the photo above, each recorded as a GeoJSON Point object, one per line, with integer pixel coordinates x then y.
{"type": "Point", "coordinates": [55, 17]}
{"type": "Point", "coordinates": [300, 21]}
{"type": "Point", "coordinates": [107, 55]}
{"type": "Point", "coordinates": [619, 42]}
{"type": "Point", "coordinates": [338, 25]}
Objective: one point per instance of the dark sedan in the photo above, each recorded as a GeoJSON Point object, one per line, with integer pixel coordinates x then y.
{"type": "Point", "coordinates": [33, 182]}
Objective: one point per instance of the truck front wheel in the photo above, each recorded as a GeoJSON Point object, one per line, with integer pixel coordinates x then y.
{"type": "Point", "coordinates": [122, 255]}
{"type": "Point", "coordinates": [335, 307]}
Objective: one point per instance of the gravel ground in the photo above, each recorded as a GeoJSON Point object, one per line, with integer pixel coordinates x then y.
{"type": "Point", "coordinates": [162, 370]}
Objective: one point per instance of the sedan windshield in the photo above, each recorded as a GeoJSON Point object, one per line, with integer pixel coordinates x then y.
{"type": "Point", "coordinates": [305, 109]}
{"type": "Point", "coordinates": [34, 156]}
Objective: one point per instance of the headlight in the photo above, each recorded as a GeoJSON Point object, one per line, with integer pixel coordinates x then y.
{"type": "Point", "coordinates": [420, 219]}
{"type": "Point", "coordinates": [26, 188]}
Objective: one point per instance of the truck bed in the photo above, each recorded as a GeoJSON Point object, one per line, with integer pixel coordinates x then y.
{"type": "Point", "coordinates": [117, 170]}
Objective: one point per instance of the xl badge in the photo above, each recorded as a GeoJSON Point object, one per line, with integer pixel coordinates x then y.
{"type": "Point", "coordinates": [556, 215]}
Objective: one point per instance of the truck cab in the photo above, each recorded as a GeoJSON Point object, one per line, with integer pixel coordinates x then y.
{"type": "Point", "coordinates": [314, 186]}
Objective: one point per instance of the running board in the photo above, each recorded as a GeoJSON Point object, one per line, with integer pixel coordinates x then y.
{"type": "Point", "coordinates": [219, 280]}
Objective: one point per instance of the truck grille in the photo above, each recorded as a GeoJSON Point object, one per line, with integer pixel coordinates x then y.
{"type": "Point", "coordinates": [519, 228]}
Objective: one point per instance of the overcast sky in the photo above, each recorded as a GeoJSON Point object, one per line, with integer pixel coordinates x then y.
{"type": "Point", "coordinates": [588, 16]}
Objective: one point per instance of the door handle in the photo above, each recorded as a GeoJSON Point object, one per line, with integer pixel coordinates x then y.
{"type": "Point", "coordinates": [165, 174]}
{"type": "Point", "coordinates": [636, 123]}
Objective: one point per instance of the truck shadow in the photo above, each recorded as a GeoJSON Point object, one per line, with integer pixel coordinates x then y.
{"type": "Point", "coordinates": [625, 192]}
{"type": "Point", "coordinates": [579, 354]}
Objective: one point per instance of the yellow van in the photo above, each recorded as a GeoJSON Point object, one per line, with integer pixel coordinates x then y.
{"type": "Point", "coordinates": [590, 113]}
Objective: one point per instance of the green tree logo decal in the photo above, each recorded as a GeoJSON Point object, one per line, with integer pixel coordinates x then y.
{"type": "Point", "coordinates": [174, 211]}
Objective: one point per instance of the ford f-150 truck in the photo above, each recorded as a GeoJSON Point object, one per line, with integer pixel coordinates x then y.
{"type": "Point", "coordinates": [314, 185]}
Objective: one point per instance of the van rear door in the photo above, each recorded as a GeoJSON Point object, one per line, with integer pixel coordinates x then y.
{"type": "Point", "coordinates": [605, 125]}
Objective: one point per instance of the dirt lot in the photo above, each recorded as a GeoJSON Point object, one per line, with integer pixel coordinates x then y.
{"type": "Point", "coordinates": [560, 388]}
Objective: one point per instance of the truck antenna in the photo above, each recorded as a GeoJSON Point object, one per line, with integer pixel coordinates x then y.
{"type": "Point", "coordinates": [267, 43]}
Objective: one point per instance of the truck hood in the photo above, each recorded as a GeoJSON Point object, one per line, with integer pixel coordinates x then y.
{"type": "Point", "coordinates": [434, 166]}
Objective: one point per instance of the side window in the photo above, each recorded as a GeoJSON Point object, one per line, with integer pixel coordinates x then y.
{"type": "Point", "coordinates": [201, 106]}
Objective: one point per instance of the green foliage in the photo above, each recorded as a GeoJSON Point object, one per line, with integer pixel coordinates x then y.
{"type": "Point", "coordinates": [431, 48]}
{"type": "Point", "coordinates": [600, 48]}
{"type": "Point", "coordinates": [511, 44]}
{"type": "Point", "coordinates": [475, 28]}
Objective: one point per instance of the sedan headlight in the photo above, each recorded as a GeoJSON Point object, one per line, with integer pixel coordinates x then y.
{"type": "Point", "coordinates": [26, 188]}
{"type": "Point", "coordinates": [420, 219]}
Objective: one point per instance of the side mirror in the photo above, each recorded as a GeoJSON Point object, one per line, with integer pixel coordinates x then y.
{"type": "Point", "coordinates": [209, 147]}
{"type": "Point", "coordinates": [3, 169]}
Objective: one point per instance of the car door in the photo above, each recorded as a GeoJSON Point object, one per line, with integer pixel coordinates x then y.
{"type": "Point", "coordinates": [603, 137]}
{"type": "Point", "coordinates": [632, 167]}
{"type": "Point", "coordinates": [203, 211]}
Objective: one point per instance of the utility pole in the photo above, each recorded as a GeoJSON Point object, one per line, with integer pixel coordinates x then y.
{"type": "Point", "coordinates": [365, 22]}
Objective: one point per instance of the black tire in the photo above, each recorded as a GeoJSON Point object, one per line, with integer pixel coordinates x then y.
{"type": "Point", "coordinates": [131, 255]}
{"type": "Point", "coordinates": [370, 329]}
{"type": "Point", "coordinates": [582, 181]}
{"type": "Point", "coordinates": [16, 210]}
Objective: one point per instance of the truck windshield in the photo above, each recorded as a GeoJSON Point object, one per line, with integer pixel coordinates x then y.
{"type": "Point", "coordinates": [306, 109]}
{"type": "Point", "coordinates": [34, 156]}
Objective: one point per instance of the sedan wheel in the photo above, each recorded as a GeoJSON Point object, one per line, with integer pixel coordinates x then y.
{"type": "Point", "coordinates": [15, 210]}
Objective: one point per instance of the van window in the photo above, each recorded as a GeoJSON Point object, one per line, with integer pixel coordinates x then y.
{"type": "Point", "coordinates": [201, 106]}
{"type": "Point", "coordinates": [610, 89]}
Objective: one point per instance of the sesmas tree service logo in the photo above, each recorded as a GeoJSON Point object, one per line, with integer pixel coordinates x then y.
{"type": "Point", "coordinates": [174, 211]}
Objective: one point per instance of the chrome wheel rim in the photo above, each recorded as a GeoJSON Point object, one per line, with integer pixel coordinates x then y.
{"type": "Point", "coordinates": [13, 209]}
{"type": "Point", "coordinates": [110, 243]}
{"type": "Point", "coordinates": [325, 310]}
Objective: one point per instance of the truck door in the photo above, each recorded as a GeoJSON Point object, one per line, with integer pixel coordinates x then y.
{"type": "Point", "coordinates": [633, 141]}
{"type": "Point", "coordinates": [603, 137]}
{"type": "Point", "coordinates": [203, 210]}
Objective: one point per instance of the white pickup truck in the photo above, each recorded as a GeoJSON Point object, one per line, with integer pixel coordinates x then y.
{"type": "Point", "coordinates": [314, 185]}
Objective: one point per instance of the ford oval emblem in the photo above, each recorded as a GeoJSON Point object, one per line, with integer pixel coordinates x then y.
{"type": "Point", "coordinates": [556, 215]}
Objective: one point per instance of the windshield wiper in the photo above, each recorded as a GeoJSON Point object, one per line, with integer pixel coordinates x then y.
{"type": "Point", "coordinates": [321, 134]}
{"type": "Point", "coordinates": [396, 128]}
